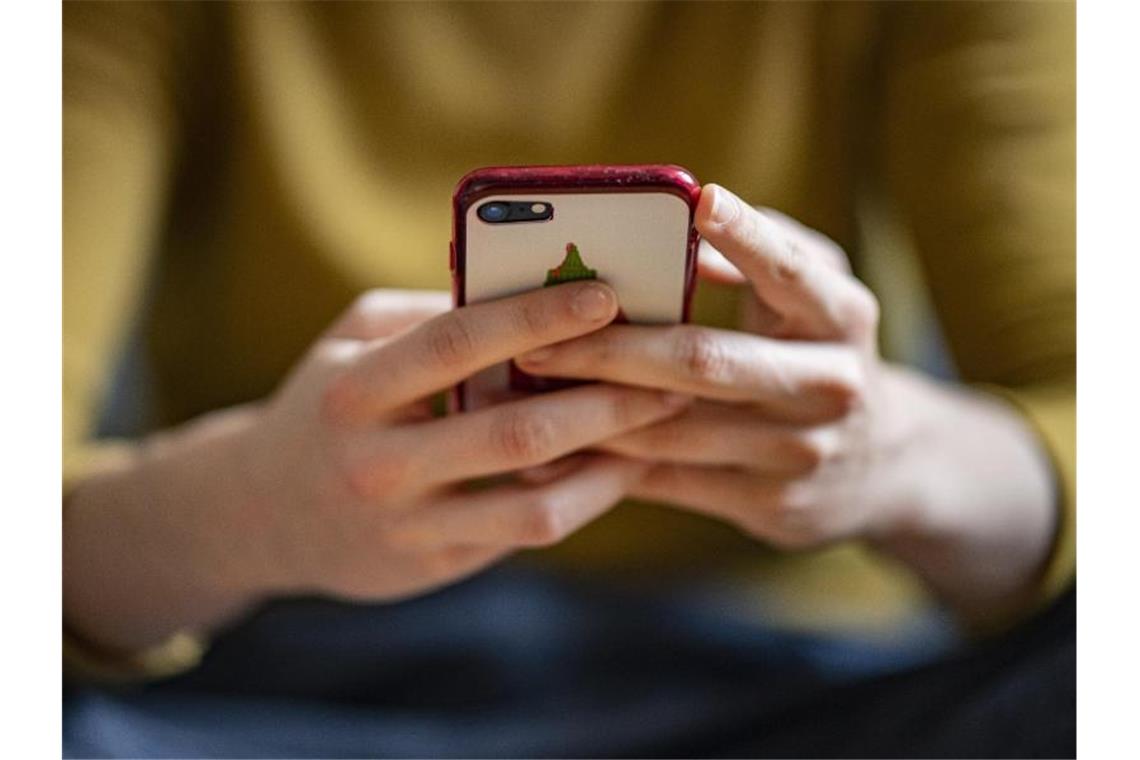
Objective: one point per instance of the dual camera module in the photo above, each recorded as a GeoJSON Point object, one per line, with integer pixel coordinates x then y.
{"type": "Point", "coordinates": [507, 212]}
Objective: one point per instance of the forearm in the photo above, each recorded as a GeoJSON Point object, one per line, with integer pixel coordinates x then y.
{"type": "Point", "coordinates": [980, 508]}
{"type": "Point", "coordinates": [162, 544]}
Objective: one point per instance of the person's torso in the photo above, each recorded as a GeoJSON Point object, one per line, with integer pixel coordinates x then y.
{"type": "Point", "coordinates": [320, 158]}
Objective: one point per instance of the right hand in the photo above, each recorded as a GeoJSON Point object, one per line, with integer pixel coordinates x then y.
{"type": "Point", "coordinates": [355, 490]}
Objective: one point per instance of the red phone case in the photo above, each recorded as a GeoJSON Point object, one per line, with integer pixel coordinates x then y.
{"type": "Point", "coordinates": [600, 178]}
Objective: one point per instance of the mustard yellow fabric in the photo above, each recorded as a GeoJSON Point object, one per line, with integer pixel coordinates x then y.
{"type": "Point", "coordinates": [234, 174]}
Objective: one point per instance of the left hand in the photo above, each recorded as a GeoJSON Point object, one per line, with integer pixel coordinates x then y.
{"type": "Point", "coordinates": [801, 434]}
{"type": "Point", "coordinates": [784, 437]}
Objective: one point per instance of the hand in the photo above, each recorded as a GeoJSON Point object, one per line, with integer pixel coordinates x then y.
{"type": "Point", "coordinates": [781, 442]}
{"type": "Point", "coordinates": [343, 483]}
{"type": "Point", "coordinates": [359, 491]}
{"type": "Point", "coordinates": [803, 436]}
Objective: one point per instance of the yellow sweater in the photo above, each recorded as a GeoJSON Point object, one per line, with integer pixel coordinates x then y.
{"type": "Point", "coordinates": [236, 173]}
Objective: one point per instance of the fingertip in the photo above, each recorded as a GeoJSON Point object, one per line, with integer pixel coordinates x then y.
{"type": "Point", "coordinates": [606, 288]}
{"type": "Point", "coordinates": [594, 301]}
{"type": "Point", "coordinates": [704, 206]}
{"type": "Point", "coordinates": [716, 209]}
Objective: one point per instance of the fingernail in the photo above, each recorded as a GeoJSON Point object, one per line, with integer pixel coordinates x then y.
{"type": "Point", "coordinates": [676, 400]}
{"type": "Point", "coordinates": [536, 356]}
{"type": "Point", "coordinates": [724, 208]}
{"type": "Point", "coordinates": [593, 302]}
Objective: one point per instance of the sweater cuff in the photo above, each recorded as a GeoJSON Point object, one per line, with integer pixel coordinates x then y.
{"type": "Point", "coordinates": [82, 661]}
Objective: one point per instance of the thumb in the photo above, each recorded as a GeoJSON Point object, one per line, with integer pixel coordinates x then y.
{"type": "Point", "coordinates": [381, 313]}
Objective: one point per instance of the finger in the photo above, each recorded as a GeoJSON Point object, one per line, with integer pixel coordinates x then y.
{"type": "Point", "coordinates": [451, 563]}
{"type": "Point", "coordinates": [785, 512]}
{"type": "Point", "coordinates": [507, 437]}
{"type": "Point", "coordinates": [542, 474]}
{"type": "Point", "coordinates": [759, 318]}
{"type": "Point", "coordinates": [740, 498]}
{"type": "Point", "coordinates": [788, 269]}
{"type": "Point", "coordinates": [381, 313]}
{"type": "Point", "coordinates": [713, 266]}
{"type": "Point", "coordinates": [721, 435]}
{"type": "Point", "coordinates": [791, 381]}
{"type": "Point", "coordinates": [439, 353]}
{"type": "Point", "coordinates": [523, 516]}
{"type": "Point", "coordinates": [822, 248]}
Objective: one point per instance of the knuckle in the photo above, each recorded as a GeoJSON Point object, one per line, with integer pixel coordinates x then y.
{"type": "Point", "coordinates": [813, 449]}
{"type": "Point", "coordinates": [332, 354]}
{"type": "Point", "coordinates": [834, 254]}
{"type": "Point", "coordinates": [863, 311]}
{"type": "Point", "coordinates": [365, 315]}
{"type": "Point", "coordinates": [449, 342]}
{"type": "Point", "coordinates": [368, 302]}
{"type": "Point", "coordinates": [701, 355]}
{"type": "Point", "coordinates": [789, 260]}
{"type": "Point", "coordinates": [381, 476]}
{"type": "Point", "coordinates": [806, 454]}
{"type": "Point", "coordinates": [361, 482]}
{"type": "Point", "coordinates": [795, 521]}
{"type": "Point", "coordinates": [543, 522]}
{"type": "Point", "coordinates": [847, 388]}
{"type": "Point", "coordinates": [338, 399]}
{"type": "Point", "coordinates": [524, 437]}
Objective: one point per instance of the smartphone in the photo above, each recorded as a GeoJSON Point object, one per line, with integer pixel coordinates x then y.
{"type": "Point", "coordinates": [517, 228]}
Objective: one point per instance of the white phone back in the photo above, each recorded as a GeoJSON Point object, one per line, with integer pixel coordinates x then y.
{"type": "Point", "coordinates": [636, 241]}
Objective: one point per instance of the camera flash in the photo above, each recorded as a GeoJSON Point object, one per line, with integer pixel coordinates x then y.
{"type": "Point", "coordinates": [538, 208]}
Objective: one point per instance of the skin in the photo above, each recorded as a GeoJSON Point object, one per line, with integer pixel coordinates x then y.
{"type": "Point", "coordinates": [802, 435]}
{"type": "Point", "coordinates": [791, 428]}
{"type": "Point", "coordinates": [343, 483]}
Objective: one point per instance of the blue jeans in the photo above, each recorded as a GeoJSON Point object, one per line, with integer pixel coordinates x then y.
{"type": "Point", "coordinates": [516, 663]}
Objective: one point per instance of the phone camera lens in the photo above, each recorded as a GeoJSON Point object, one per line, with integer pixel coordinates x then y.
{"type": "Point", "coordinates": [495, 211]}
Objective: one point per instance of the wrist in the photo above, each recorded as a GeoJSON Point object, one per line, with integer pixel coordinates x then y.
{"type": "Point", "coordinates": [976, 509]}
{"type": "Point", "coordinates": [209, 466]}
{"type": "Point", "coordinates": [158, 545]}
